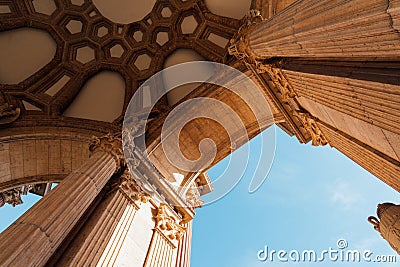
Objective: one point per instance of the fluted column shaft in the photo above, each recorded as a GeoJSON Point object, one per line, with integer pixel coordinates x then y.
{"type": "Point", "coordinates": [99, 241]}
{"type": "Point", "coordinates": [39, 232]}
{"type": "Point", "coordinates": [330, 28]}
{"type": "Point", "coordinates": [366, 110]}
{"type": "Point", "coordinates": [184, 247]}
{"type": "Point", "coordinates": [371, 102]}
{"type": "Point", "coordinates": [167, 234]}
{"type": "Point", "coordinates": [92, 240]}
{"type": "Point", "coordinates": [383, 167]}
{"type": "Point", "coordinates": [161, 252]}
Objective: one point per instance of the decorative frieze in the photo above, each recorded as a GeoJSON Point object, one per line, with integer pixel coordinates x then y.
{"type": "Point", "coordinates": [110, 143]}
{"type": "Point", "coordinates": [168, 225]}
{"type": "Point", "coordinates": [288, 94]}
{"type": "Point", "coordinates": [131, 131]}
{"type": "Point", "coordinates": [310, 124]}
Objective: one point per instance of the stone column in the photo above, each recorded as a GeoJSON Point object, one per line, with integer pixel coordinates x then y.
{"type": "Point", "coordinates": [101, 238]}
{"type": "Point", "coordinates": [166, 235]}
{"type": "Point", "coordinates": [184, 247]}
{"type": "Point", "coordinates": [383, 167]}
{"type": "Point", "coordinates": [330, 28]}
{"type": "Point", "coordinates": [39, 232]}
{"type": "Point", "coordinates": [334, 62]}
{"type": "Point", "coordinates": [389, 224]}
{"type": "Point", "coordinates": [374, 103]}
{"type": "Point", "coordinates": [363, 109]}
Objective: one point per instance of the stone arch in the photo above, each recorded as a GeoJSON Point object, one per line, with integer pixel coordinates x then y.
{"type": "Point", "coordinates": [33, 158]}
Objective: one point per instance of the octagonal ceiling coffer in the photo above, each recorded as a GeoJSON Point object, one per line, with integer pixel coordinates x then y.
{"type": "Point", "coordinates": [102, 31]}
{"type": "Point", "coordinates": [166, 12]}
{"type": "Point", "coordinates": [77, 2]}
{"type": "Point", "coordinates": [45, 7]}
{"type": "Point", "coordinates": [189, 25]}
{"type": "Point", "coordinates": [74, 26]}
{"type": "Point", "coordinates": [85, 54]}
{"type": "Point", "coordinates": [142, 62]}
{"type": "Point", "coordinates": [5, 9]}
{"type": "Point", "coordinates": [117, 51]}
{"type": "Point", "coordinates": [138, 36]}
{"type": "Point", "coordinates": [162, 38]}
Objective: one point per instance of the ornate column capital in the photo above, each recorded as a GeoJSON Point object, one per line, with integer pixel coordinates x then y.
{"type": "Point", "coordinates": [240, 43]}
{"type": "Point", "coordinates": [13, 196]}
{"type": "Point", "coordinates": [193, 196]}
{"type": "Point", "coordinates": [130, 188]}
{"type": "Point", "coordinates": [168, 225]}
{"type": "Point", "coordinates": [8, 113]}
{"type": "Point", "coordinates": [310, 124]}
{"type": "Point", "coordinates": [110, 143]}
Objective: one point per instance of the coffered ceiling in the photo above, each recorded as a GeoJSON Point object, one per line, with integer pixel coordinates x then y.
{"type": "Point", "coordinates": [85, 58]}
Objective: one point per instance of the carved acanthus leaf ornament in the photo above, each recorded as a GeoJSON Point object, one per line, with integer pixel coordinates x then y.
{"type": "Point", "coordinates": [130, 188]}
{"type": "Point", "coordinates": [310, 124]}
{"type": "Point", "coordinates": [168, 225]}
{"type": "Point", "coordinates": [110, 143]}
{"type": "Point", "coordinates": [13, 196]}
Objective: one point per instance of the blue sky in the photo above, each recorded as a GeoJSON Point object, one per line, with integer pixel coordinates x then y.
{"type": "Point", "coordinates": [312, 197]}
{"type": "Point", "coordinates": [8, 213]}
